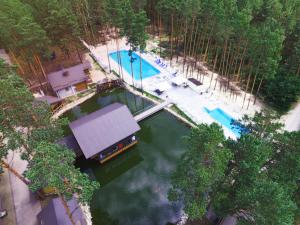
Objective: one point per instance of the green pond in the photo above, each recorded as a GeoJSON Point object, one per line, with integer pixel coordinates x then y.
{"type": "Point", "coordinates": [134, 185]}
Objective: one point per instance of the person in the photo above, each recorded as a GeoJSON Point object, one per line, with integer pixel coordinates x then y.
{"type": "Point", "coordinates": [3, 213]}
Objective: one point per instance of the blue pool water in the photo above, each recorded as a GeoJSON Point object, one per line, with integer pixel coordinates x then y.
{"type": "Point", "coordinates": [147, 69]}
{"type": "Point", "coordinates": [226, 120]}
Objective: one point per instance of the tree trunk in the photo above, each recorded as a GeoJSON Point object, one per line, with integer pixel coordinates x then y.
{"type": "Point", "coordinates": [18, 175]}
{"type": "Point", "coordinates": [212, 72]}
{"type": "Point", "coordinates": [108, 59]}
{"type": "Point", "coordinates": [78, 54]}
{"type": "Point", "coordinates": [141, 76]}
{"type": "Point", "coordinates": [251, 90]}
{"type": "Point", "coordinates": [241, 62]}
{"type": "Point", "coordinates": [17, 62]}
{"type": "Point", "coordinates": [36, 76]}
{"type": "Point", "coordinates": [132, 75]}
{"type": "Point", "coordinates": [68, 211]}
{"type": "Point", "coordinates": [37, 58]}
{"type": "Point", "coordinates": [172, 21]}
{"type": "Point", "coordinates": [184, 45]}
{"type": "Point", "coordinates": [258, 90]}
{"type": "Point", "coordinates": [248, 81]}
{"type": "Point", "coordinates": [190, 44]}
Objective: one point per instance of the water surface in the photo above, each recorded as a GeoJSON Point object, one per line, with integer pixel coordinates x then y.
{"type": "Point", "coordinates": [134, 185]}
{"type": "Point", "coordinates": [147, 69]}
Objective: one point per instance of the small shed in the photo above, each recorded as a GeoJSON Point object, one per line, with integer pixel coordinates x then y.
{"type": "Point", "coordinates": [55, 214]}
{"type": "Point", "coordinates": [69, 81]}
{"type": "Point", "coordinates": [105, 133]}
{"type": "Point", "coordinates": [52, 101]}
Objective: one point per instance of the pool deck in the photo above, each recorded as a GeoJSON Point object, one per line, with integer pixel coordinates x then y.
{"type": "Point", "coordinates": [190, 100]}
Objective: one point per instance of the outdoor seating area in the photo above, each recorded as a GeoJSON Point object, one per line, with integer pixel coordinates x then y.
{"type": "Point", "coordinates": [162, 64]}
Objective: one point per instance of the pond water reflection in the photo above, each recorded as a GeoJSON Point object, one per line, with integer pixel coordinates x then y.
{"type": "Point", "coordinates": [134, 185]}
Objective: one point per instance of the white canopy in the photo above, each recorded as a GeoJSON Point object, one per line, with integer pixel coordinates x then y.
{"type": "Point", "coordinates": [163, 86]}
{"type": "Point", "coordinates": [178, 80]}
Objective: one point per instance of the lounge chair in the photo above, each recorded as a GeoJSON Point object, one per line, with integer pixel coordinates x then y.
{"type": "Point", "coordinates": [185, 85]}
{"type": "Point", "coordinates": [157, 61]}
{"type": "Point", "coordinates": [157, 91]}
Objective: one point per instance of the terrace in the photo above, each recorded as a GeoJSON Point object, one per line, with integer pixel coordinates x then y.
{"type": "Point", "coordinates": [189, 94]}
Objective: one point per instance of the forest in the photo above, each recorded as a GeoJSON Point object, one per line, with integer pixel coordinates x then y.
{"type": "Point", "coordinates": [252, 44]}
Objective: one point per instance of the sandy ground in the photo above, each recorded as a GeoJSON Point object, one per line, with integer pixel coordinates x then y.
{"type": "Point", "coordinates": [292, 119]}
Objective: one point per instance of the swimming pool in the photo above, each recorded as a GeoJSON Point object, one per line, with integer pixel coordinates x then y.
{"type": "Point", "coordinates": [226, 120]}
{"type": "Point", "coordinates": [147, 69]}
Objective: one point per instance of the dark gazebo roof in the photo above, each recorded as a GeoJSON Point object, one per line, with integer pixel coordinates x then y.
{"type": "Point", "coordinates": [55, 213]}
{"type": "Point", "coordinates": [68, 76]}
{"type": "Point", "coordinates": [101, 129]}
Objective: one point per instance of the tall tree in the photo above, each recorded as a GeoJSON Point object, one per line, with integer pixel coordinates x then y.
{"type": "Point", "coordinates": [53, 166]}
{"type": "Point", "coordinates": [257, 183]}
{"type": "Point", "coordinates": [200, 168]}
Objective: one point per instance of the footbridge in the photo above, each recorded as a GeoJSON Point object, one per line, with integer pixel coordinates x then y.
{"type": "Point", "coordinates": [143, 115]}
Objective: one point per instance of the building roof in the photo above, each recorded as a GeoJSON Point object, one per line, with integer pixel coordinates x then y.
{"type": "Point", "coordinates": [101, 129]}
{"type": "Point", "coordinates": [49, 99]}
{"type": "Point", "coordinates": [55, 213]}
{"type": "Point", "coordinates": [71, 143]}
{"type": "Point", "coordinates": [68, 77]}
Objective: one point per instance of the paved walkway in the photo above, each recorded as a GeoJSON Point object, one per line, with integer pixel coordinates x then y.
{"type": "Point", "coordinates": [190, 100]}
{"type": "Point", "coordinates": [151, 111]}
{"type": "Point", "coordinates": [292, 119]}
{"type": "Point", "coordinates": [27, 206]}
{"type": "Point", "coordinates": [7, 200]}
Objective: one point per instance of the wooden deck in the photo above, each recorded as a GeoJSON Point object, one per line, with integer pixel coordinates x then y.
{"type": "Point", "coordinates": [152, 110]}
{"type": "Point", "coordinates": [118, 152]}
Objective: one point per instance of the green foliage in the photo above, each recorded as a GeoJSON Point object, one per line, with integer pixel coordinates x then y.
{"type": "Point", "coordinates": [24, 122]}
{"type": "Point", "coordinates": [269, 204]}
{"type": "Point", "coordinates": [282, 91]}
{"type": "Point", "coordinates": [200, 168]}
{"type": "Point", "coordinates": [53, 166]}
{"type": "Point", "coordinates": [132, 24]}
{"type": "Point", "coordinates": [256, 179]}
{"type": "Point", "coordinates": [26, 126]}
{"type": "Point", "coordinates": [19, 30]}
{"type": "Point", "coordinates": [58, 20]}
{"type": "Point", "coordinates": [261, 37]}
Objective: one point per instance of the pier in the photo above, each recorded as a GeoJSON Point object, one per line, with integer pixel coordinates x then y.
{"type": "Point", "coordinates": [152, 110]}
